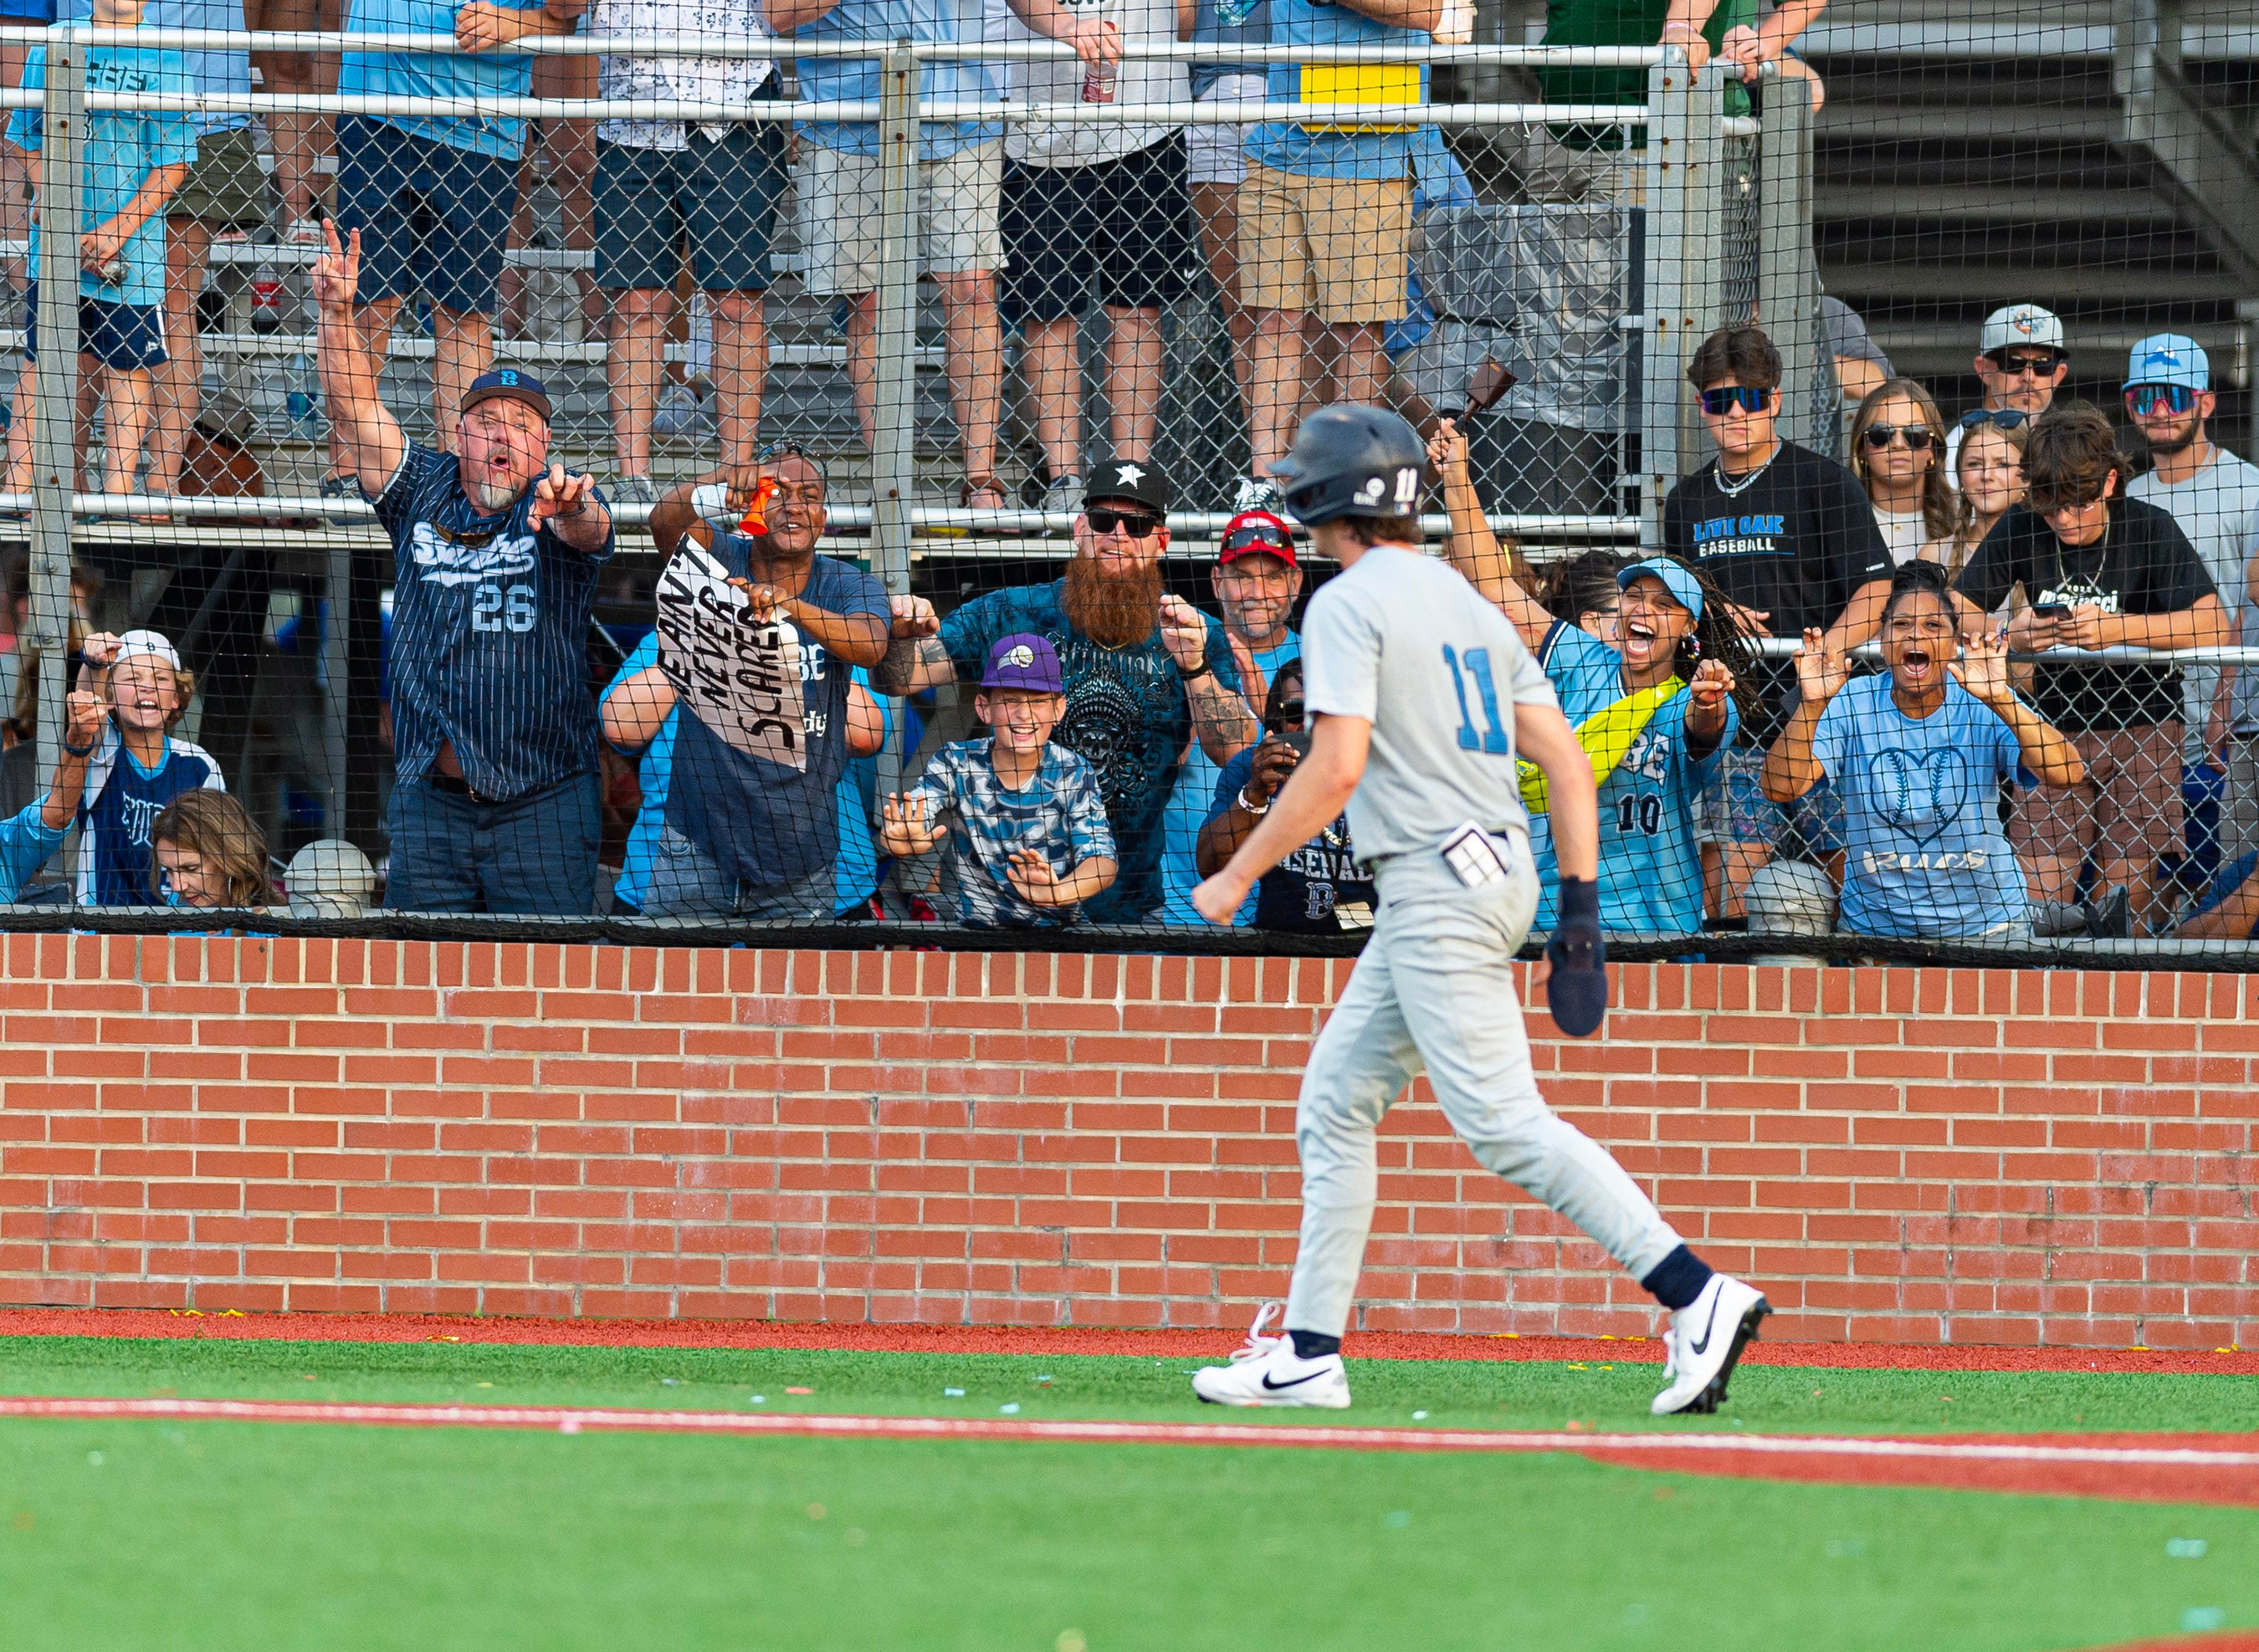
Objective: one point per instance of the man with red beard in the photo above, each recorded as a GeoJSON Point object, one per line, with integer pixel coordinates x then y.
{"type": "Point", "coordinates": [1146, 671]}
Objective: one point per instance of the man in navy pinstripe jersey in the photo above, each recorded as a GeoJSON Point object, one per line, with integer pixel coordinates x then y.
{"type": "Point", "coordinates": [496, 554]}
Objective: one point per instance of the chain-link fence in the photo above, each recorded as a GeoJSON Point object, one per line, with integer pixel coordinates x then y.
{"type": "Point", "coordinates": [926, 372]}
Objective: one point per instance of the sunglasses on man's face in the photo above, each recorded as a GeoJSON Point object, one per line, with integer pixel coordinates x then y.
{"type": "Point", "coordinates": [1916, 437]}
{"type": "Point", "coordinates": [1748, 398]}
{"type": "Point", "coordinates": [2145, 398]}
{"type": "Point", "coordinates": [2015, 363]}
{"type": "Point", "coordinates": [2006, 418]}
{"type": "Point", "coordinates": [1136, 524]}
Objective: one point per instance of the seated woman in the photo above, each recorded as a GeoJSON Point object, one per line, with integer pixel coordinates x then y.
{"type": "Point", "coordinates": [1651, 694]}
{"type": "Point", "coordinates": [1918, 757]}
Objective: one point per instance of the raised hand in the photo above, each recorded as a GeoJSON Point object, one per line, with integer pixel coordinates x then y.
{"type": "Point", "coordinates": [1750, 622]}
{"type": "Point", "coordinates": [100, 651]}
{"type": "Point", "coordinates": [1820, 674]}
{"type": "Point", "coordinates": [764, 599]}
{"type": "Point", "coordinates": [1982, 669]}
{"type": "Point", "coordinates": [337, 271]}
{"type": "Point", "coordinates": [903, 828]}
{"type": "Point", "coordinates": [1447, 449]}
{"type": "Point", "coordinates": [1030, 875]}
{"type": "Point", "coordinates": [1183, 632]}
{"type": "Point", "coordinates": [1710, 684]}
{"type": "Point", "coordinates": [911, 617]}
{"type": "Point", "coordinates": [557, 497]}
{"type": "Point", "coordinates": [1274, 761]}
{"type": "Point", "coordinates": [84, 713]}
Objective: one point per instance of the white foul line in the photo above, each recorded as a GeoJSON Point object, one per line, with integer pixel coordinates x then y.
{"type": "Point", "coordinates": [575, 1420]}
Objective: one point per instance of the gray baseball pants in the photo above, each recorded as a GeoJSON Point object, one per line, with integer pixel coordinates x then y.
{"type": "Point", "coordinates": [1434, 991]}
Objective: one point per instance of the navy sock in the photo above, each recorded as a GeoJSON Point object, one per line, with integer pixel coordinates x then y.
{"type": "Point", "coordinates": [1314, 1344]}
{"type": "Point", "coordinates": [1677, 1278]}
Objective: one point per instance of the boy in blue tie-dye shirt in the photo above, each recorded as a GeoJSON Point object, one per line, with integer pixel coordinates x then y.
{"type": "Point", "coordinates": [1027, 838]}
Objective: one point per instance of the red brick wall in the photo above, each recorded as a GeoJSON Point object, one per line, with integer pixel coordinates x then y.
{"type": "Point", "coordinates": [1918, 1154]}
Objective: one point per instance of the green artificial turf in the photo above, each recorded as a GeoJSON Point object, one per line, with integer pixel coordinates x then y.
{"type": "Point", "coordinates": [1454, 1393]}
{"type": "Point", "coordinates": [158, 1536]}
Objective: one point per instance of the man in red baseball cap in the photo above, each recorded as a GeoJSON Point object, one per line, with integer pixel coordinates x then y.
{"type": "Point", "coordinates": [1257, 579]}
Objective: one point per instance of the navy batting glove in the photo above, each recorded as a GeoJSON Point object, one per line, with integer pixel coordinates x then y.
{"type": "Point", "coordinates": [1577, 989]}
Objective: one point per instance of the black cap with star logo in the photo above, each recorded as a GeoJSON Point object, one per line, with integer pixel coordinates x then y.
{"type": "Point", "coordinates": [1125, 480]}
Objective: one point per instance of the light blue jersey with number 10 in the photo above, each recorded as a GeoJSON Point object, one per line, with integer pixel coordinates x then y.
{"type": "Point", "coordinates": [1651, 869]}
{"type": "Point", "coordinates": [1403, 641]}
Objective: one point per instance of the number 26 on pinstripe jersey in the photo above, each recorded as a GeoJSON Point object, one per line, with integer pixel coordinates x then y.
{"type": "Point", "coordinates": [1475, 663]}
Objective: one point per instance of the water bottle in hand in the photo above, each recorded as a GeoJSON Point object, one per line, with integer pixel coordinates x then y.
{"type": "Point", "coordinates": [1098, 78]}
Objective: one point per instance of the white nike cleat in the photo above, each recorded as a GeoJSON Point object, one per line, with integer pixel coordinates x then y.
{"type": "Point", "coordinates": [1267, 1371]}
{"type": "Point", "coordinates": [1706, 1339]}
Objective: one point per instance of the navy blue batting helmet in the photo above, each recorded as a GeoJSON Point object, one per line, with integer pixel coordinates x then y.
{"type": "Point", "coordinates": [1350, 461]}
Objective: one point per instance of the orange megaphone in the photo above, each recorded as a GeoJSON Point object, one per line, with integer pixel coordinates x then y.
{"type": "Point", "coordinates": [755, 523]}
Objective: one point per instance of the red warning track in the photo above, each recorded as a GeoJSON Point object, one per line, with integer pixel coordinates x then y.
{"type": "Point", "coordinates": [2223, 1469]}
{"type": "Point", "coordinates": [1057, 1340]}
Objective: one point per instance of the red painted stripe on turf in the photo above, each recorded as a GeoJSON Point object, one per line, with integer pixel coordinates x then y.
{"type": "Point", "coordinates": [1211, 1343]}
{"type": "Point", "coordinates": [2209, 1473]}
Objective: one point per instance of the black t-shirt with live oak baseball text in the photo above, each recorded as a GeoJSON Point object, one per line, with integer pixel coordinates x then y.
{"type": "Point", "coordinates": [2144, 563]}
{"type": "Point", "coordinates": [1795, 538]}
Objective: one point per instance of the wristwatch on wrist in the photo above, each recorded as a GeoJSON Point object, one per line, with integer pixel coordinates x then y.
{"type": "Point", "coordinates": [1252, 809]}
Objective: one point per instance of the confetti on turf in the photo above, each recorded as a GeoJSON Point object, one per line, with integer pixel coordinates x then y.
{"type": "Point", "coordinates": [799, 1391]}
{"type": "Point", "coordinates": [2197, 1620]}
{"type": "Point", "coordinates": [1009, 1409]}
{"type": "Point", "coordinates": [2185, 1547]}
{"type": "Point", "coordinates": [953, 1394]}
{"type": "Point", "coordinates": [760, 1400]}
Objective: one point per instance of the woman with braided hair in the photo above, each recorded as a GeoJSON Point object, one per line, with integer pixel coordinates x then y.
{"type": "Point", "coordinates": [1652, 710]}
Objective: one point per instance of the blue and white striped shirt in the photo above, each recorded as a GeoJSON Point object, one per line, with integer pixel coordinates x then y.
{"type": "Point", "coordinates": [490, 636]}
{"type": "Point", "coordinates": [1059, 814]}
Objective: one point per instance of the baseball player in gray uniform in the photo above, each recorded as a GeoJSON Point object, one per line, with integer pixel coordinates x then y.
{"type": "Point", "coordinates": [1421, 694]}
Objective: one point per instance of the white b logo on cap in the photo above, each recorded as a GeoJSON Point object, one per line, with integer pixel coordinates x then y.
{"type": "Point", "coordinates": [1021, 655]}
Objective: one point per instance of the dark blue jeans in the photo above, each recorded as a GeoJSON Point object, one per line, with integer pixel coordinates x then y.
{"type": "Point", "coordinates": [534, 855]}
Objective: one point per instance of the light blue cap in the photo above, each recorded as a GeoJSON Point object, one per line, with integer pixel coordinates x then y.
{"type": "Point", "coordinates": [2169, 358]}
{"type": "Point", "coordinates": [1682, 585]}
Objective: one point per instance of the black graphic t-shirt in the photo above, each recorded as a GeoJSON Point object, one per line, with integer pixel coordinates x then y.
{"type": "Point", "coordinates": [1795, 539]}
{"type": "Point", "coordinates": [1126, 715]}
{"type": "Point", "coordinates": [2142, 565]}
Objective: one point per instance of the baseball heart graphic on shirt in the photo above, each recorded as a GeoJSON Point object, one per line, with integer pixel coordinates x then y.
{"type": "Point", "coordinates": [1919, 796]}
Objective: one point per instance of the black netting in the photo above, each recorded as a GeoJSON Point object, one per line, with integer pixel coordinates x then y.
{"type": "Point", "coordinates": [872, 411]}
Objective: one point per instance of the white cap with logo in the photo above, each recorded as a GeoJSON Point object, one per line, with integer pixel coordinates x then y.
{"type": "Point", "coordinates": [2027, 324]}
{"type": "Point", "coordinates": [150, 643]}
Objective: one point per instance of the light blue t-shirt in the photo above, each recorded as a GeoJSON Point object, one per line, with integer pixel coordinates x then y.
{"type": "Point", "coordinates": [26, 843]}
{"type": "Point", "coordinates": [436, 74]}
{"type": "Point", "coordinates": [1921, 806]}
{"type": "Point", "coordinates": [123, 147]}
{"type": "Point", "coordinates": [1651, 869]}
{"type": "Point", "coordinates": [1284, 145]}
{"type": "Point", "coordinates": [827, 79]}
{"type": "Point", "coordinates": [855, 872]}
{"type": "Point", "coordinates": [1190, 804]}
{"type": "Point", "coordinates": [228, 72]}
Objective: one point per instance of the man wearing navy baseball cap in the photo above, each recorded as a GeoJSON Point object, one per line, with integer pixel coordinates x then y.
{"type": "Point", "coordinates": [2214, 497]}
{"type": "Point", "coordinates": [495, 557]}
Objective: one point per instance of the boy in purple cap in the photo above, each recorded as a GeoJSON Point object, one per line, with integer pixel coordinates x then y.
{"type": "Point", "coordinates": [1029, 842]}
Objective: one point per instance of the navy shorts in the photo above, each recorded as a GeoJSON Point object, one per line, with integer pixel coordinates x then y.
{"type": "Point", "coordinates": [1124, 224]}
{"type": "Point", "coordinates": [122, 336]}
{"type": "Point", "coordinates": [717, 201]}
{"type": "Point", "coordinates": [433, 218]}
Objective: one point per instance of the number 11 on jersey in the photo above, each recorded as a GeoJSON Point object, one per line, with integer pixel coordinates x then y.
{"type": "Point", "coordinates": [1493, 740]}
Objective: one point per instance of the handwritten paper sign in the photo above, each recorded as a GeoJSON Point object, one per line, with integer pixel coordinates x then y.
{"type": "Point", "coordinates": [737, 670]}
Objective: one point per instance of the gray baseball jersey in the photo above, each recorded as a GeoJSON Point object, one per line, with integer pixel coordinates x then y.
{"type": "Point", "coordinates": [1404, 642]}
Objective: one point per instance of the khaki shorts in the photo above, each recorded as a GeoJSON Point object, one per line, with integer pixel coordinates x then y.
{"type": "Point", "coordinates": [839, 215]}
{"type": "Point", "coordinates": [225, 187]}
{"type": "Point", "coordinates": [1338, 248]}
{"type": "Point", "coordinates": [2127, 807]}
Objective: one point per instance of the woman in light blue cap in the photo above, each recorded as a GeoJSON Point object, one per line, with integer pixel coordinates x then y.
{"type": "Point", "coordinates": [1654, 709]}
